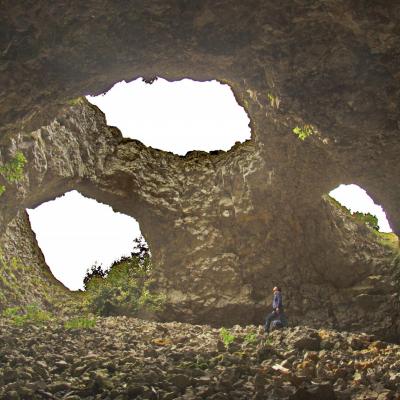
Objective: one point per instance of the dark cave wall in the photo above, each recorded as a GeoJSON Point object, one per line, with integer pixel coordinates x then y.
{"type": "Point", "coordinates": [224, 227]}
{"type": "Point", "coordinates": [330, 64]}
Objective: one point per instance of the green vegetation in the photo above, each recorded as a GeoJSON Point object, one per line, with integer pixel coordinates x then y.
{"type": "Point", "coordinates": [250, 338]}
{"type": "Point", "coordinates": [13, 171]}
{"type": "Point", "coordinates": [369, 219]}
{"type": "Point", "coordinates": [304, 132]}
{"type": "Point", "coordinates": [10, 273]}
{"type": "Point", "coordinates": [268, 341]}
{"type": "Point", "coordinates": [80, 323]}
{"type": "Point", "coordinates": [75, 102]}
{"type": "Point", "coordinates": [32, 314]}
{"type": "Point", "coordinates": [126, 288]}
{"type": "Point", "coordinates": [226, 336]}
{"type": "Point", "coordinates": [387, 239]}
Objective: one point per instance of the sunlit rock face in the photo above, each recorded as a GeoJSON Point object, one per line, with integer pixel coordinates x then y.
{"type": "Point", "coordinates": [223, 228]}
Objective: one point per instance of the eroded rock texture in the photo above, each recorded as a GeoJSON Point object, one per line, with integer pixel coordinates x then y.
{"type": "Point", "coordinates": [223, 228]}
{"type": "Point", "coordinates": [25, 279]}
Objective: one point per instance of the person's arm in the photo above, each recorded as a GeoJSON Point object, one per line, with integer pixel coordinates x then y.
{"type": "Point", "coordinates": [274, 303]}
{"type": "Point", "coordinates": [278, 301]}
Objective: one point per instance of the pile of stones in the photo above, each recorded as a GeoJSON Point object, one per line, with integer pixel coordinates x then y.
{"type": "Point", "coordinates": [127, 358]}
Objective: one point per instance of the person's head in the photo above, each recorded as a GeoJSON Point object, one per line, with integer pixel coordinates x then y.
{"type": "Point", "coordinates": [276, 289]}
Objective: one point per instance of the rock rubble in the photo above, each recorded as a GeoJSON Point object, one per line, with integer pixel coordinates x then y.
{"type": "Point", "coordinates": [126, 358]}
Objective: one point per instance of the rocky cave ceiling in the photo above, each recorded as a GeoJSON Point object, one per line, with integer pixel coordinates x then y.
{"type": "Point", "coordinates": [228, 225]}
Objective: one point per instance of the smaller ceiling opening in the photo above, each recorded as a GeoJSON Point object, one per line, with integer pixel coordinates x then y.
{"type": "Point", "coordinates": [176, 116]}
{"type": "Point", "coordinates": [356, 199]}
{"type": "Point", "coordinates": [75, 233]}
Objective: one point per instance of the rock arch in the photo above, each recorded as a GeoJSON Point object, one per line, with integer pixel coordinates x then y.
{"type": "Point", "coordinates": [218, 225]}
{"type": "Point", "coordinates": [223, 226]}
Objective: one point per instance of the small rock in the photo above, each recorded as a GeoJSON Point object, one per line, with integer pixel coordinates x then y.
{"type": "Point", "coordinates": [387, 395]}
{"type": "Point", "coordinates": [12, 395]}
{"type": "Point", "coordinates": [180, 381]}
{"type": "Point", "coordinates": [58, 386]}
{"type": "Point", "coordinates": [169, 396]}
{"type": "Point", "coordinates": [316, 392]}
{"type": "Point", "coordinates": [311, 356]}
{"type": "Point", "coordinates": [307, 343]}
{"type": "Point", "coordinates": [61, 365]}
{"type": "Point", "coordinates": [221, 346]}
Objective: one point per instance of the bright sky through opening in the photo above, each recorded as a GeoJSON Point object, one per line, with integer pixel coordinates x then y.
{"type": "Point", "coordinates": [176, 116]}
{"type": "Point", "coordinates": [75, 232]}
{"type": "Point", "coordinates": [357, 199]}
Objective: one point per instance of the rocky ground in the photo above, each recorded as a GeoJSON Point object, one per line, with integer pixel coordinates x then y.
{"type": "Point", "coordinates": [127, 358]}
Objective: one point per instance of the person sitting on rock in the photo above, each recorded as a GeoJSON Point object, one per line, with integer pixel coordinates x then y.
{"type": "Point", "coordinates": [277, 310]}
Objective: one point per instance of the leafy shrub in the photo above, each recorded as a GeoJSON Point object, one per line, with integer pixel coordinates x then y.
{"type": "Point", "coordinates": [303, 132]}
{"type": "Point", "coordinates": [13, 171]}
{"type": "Point", "coordinates": [95, 271]}
{"type": "Point", "coordinates": [226, 336]}
{"type": "Point", "coordinates": [369, 219]}
{"type": "Point", "coordinates": [31, 314]}
{"type": "Point", "coordinates": [124, 289]}
{"type": "Point", "coordinates": [80, 323]}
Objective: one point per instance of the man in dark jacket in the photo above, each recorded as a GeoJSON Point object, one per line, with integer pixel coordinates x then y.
{"type": "Point", "coordinates": [277, 309]}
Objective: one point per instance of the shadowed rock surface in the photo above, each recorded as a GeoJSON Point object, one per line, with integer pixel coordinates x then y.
{"type": "Point", "coordinates": [223, 228]}
{"type": "Point", "coordinates": [332, 64]}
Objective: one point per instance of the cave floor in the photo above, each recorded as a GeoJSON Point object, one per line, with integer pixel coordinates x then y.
{"type": "Point", "coordinates": [125, 358]}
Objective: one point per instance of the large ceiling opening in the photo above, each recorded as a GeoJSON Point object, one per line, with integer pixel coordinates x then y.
{"type": "Point", "coordinates": [75, 232]}
{"type": "Point", "coordinates": [176, 116]}
{"type": "Point", "coordinates": [356, 200]}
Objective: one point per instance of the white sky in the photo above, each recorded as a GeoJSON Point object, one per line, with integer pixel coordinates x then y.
{"type": "Point", "coordinates": [176, 116]}
{"type": "Point", "coordinates": [75, 232]}
{"type": "Point", "coordinates": [357, 199]}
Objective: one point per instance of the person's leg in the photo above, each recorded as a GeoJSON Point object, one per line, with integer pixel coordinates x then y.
{"type": "Point", "coordinates": [268, 321]}
{"type": "Point", "coordinates": [284, 320]}
{"type": "Point", "coordinates": [282, 317]}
